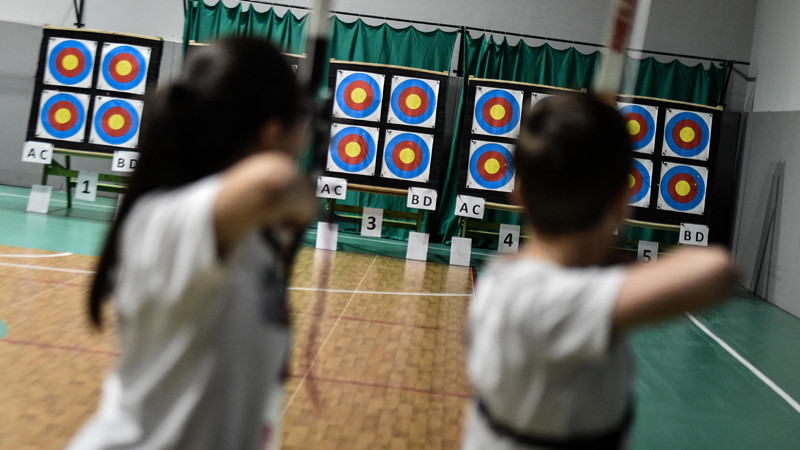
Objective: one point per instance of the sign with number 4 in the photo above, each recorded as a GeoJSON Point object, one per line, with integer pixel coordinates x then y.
{"type": "Point", "coordinates": [509, 239]}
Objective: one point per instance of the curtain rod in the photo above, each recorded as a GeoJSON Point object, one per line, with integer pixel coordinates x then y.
{"type": "Point", "coordinates": [506, 33]}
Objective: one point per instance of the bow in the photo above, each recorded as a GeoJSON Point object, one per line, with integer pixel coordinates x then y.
{"type": "Point", "coordinates": [627, 23]}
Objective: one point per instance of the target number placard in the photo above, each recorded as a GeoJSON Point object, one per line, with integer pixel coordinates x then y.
{"type": "Point", "coordinates": [407, 156]}
{"type": "Point", "coordinates": [62, 115]}
{"type": "Point", "coordinates": [116, 122]}
{"type": "Point", "coordinates": [639, 181]}
{"type": "Point", "coordinates": [640, 121]}
{"type": "Point", "coordinates": [353, 149]}
{"type": "Point", "coordinates": [123, 68]}
{"type": "Point", "coordinates": [413, 101]}
{"type": "Point", "coordinates": [497, 112]}
{"type": "Point", "coordinates": [683, 188]}
{"type": "Point", "coordinates": [358, 95]}
{"type": "Point", "coordinates": [69, 62]}
{"type": "Point", "coordinates": [687, 134]}
{"type": "Point", "coordinates": [491, 166]}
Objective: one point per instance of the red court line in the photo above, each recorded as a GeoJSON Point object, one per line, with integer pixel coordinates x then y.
{"type": "Point", "coordinates": [384, 386]}
{"type": "Point", "coordinates": [57, 347]}
{"type": "Point", "coordinates": [382, 322]}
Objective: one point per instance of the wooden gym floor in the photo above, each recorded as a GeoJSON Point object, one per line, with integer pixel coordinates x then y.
{"type": "Point", "coordinates": [389, 360]}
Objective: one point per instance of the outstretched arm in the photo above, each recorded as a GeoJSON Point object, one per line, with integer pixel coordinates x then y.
{"type": "Point", "coordinates": [691, 278]}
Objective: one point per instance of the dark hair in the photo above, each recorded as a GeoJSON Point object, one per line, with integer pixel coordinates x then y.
{"type": "Point", "coordinates": [572, 160]}
{"type": "Point", "coordinates": [202, 123]}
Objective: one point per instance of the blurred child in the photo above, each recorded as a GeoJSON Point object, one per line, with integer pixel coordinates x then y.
{"type": "Point", "coordinates": [548, 358]}
{"type": "Point", "coordinates": [194, 265]}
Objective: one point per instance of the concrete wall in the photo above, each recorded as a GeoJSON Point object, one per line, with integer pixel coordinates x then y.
{"type": "Point", "coordinates": [773, 137]}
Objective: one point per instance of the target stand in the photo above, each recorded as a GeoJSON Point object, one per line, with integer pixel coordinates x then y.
{"type": "Point", "coordinates": [397, 219]}
{"type": "Point", "coordinates": [106, 182]}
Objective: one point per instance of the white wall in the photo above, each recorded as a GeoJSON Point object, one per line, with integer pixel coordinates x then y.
{"type": "Point", "coordinates": [776, 55]}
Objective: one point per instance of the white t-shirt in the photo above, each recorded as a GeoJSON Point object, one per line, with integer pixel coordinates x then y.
{"type": "Point", "coordinates": [200, 367]}
{"type": "Point", "coordinates": [541, 355]}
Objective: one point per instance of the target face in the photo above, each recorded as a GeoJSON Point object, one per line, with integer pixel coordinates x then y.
{"type": "Point", "coordinates": [116, 122]}
{"type": "Point", "coordinates": [358, 95]}
{"type": "Point", "coordinates": [491, 167]}
{"type": "Point", "coordinates": [413, 101]}
{"type": "Point", "coordinates": [641, 123]}
{"type": "Point", "coordinates": [70, 62]}
{"type": "Point", "coordinates": [62, 115]}
{"type": "Point", "coordinates": [687, 134]}
{"type": "Point", "coordinates": [639, 181]}
{"type": "Point", "coordinates": [407, 156]}
{"type": "Point", "coordinates": [124, 68]}
{"type": "Point", "coordinates": [497, 112]}
{"type": "Point", "coordinates": [352, 149]}
{"type": "Point", "coordinates": [683, 188]}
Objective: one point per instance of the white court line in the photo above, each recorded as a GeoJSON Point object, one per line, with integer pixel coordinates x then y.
{"type": "Point", "coordinates": [349, 291]}
{"type": "Point", "coordinates": [52, 269]}
{"type": "Point", "coordinates": [319, 350]}
{"type": "Point", "coordinates": [792, 402]}
{"type": "Point", "coordinates": [40, 293]}
{"type": "Point", "coordinates": [53, 255]}
{"type": "Point", "coordinates": [58, 200]}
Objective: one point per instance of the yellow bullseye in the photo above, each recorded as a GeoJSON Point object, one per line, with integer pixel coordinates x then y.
{"type": "Point", "coordinates": [631, 181]}
{"type": "Point", "coordinates": [63, 115]}
{"type": "Point", "coordinates": [359, 95]}
{"type": "Point", "coordinates": [413, 101]}
{"type": "Point", "coordinates": [124, 67]}
{"type": "Point", "coordinates": [407, 155]}
{"type": "Point", "coordinates": [352, 149]}
{"type": "Point", "coordinates": [687, 134]}
{"type": "Point", "coordinates": [634, 127]}
{"type": "Point", "coordinates": [492, 166]}
{"type": "Point", "coordinates": [70, 62]}
{"type": "Point", "coordinates": [497, 112]}
{"type": "Point", "coordinates": [683, 188]}
{"type": "Point", "coordinates": [116, 122]}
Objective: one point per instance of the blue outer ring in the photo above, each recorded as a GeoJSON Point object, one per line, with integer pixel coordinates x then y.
{"type": "Point", "coordinates": [87, 68]}
{"type": "Point", "coordinates": [66, 134]}
{"type": "Point", "coordinates": [645, 182]}
{"type": "Point", "coordinates": [701, 188]}
{"type": "Point", "coordinates": [376, 98]}
{"type": "Point", "coordinates": [515, 112]}
{"type": "Point", "coordinates": [692, 152]}
{"type": "Point", "coordinates": [473, 166]}
{"type": "Point", "coordinates": [651, 125]}
{"type": "Point", "coordinates": [344, 132]}
{"type": "Point", "coordinates": [106, 69]}
{"type": "Point", "coordinates": [396, 101]}
{"type": "Point", "coordinates": [98, 126]}
{"type": "Point", "coordinates": [392, 145]}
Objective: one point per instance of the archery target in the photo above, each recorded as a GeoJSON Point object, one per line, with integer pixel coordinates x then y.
{"type": "Point", "coordinates": [124, 68]}
{"type": "Point", "coordinates": [683, 188]}
{"type": "Point", "coordinates": [116, 122]}
{"type": "Point", "coordinates": [413, 101]}
{"type": "Point", "coordinates": [62, 115]}
{"type": "Point", "coordinates": [687, 134]}
{"type": "Point", "coordinates": [639, 181]}
{"type": "Point", "coordinates": [407, 156]}
{"type": "Point", "coordinates": [497, 112]}
{"type": "Point", "coordinates": [69, 62]}
{"type": "Point", "coordinates": [491, 167]}
{"type": "Point", "coordinates": [641, 123]}
{"type": "Point", "coordinates": [352, 149]}
{"type": "Point", "coordinates": [358, 95]}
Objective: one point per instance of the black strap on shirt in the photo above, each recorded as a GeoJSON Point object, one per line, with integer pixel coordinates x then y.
{"type": "Point", "coordinates": [611, 439]}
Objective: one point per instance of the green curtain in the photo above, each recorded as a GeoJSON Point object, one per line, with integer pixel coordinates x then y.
{"type": "Point", "coordinates": [204, 23]}
{"type": "Point", "coordinates": [406, 47]}
{"type": "Point", "coordinates": [677, 81]}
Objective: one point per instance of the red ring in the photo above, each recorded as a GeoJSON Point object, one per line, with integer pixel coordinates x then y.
{"type": "Point", "coordinates": [676, 134]}
{"type": "Point", "coordinates": [642, 125]}
{"type": "Point", "coordinates": [487, 115]}
{"type": "Point", "coordinates": [51, 115]}
{"type": "Point", "coordinates": [638, 181]}
{"type": "Point", "coordinates": [125, 115]}
{"type": "Point", "coordinates": [692, 184]}
{"type": "Point", "coordinates": [70, 51]}
{"type": "Point", "coordinates": [406, 167]}
{"type": "Point", "coordinates": [410, 91]}
{"type": "Point", "coordinates": [348, 99]}
{"type": "Point", "coordinates": [342, 149]}
{"type": "Point", "coordinates": [491, 154]}
{"type": "Point", "coordinates": [112, 67]}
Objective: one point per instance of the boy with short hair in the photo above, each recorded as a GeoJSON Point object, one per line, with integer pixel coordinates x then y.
{"type": "Point", "coordinates": [548, 358]}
